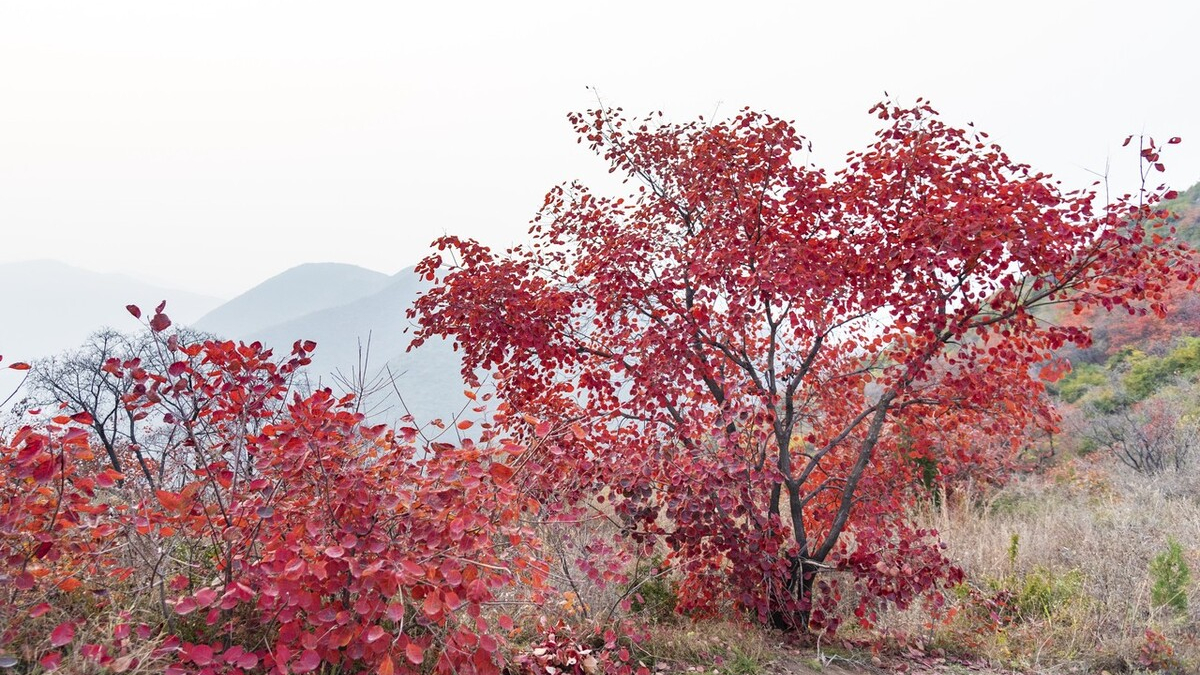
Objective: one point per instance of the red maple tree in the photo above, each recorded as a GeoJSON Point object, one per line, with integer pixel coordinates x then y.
{"type": "Point", "coordinates": [752, 361]}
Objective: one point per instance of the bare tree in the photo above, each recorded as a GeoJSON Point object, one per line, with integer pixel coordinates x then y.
{"type": "Point", "coordinates": [1149, 437]}
{"type": "Point", "coordinates": [78, 378]}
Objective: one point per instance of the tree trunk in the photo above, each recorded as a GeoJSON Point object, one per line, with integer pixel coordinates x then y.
{"type": "Point", "coordinates": [794, 608]}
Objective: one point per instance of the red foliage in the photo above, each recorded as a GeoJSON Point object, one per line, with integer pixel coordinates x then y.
{"type": "Point", "coordinates": [1147, 330]}
{"type": "Point", "coordinates": [282, 533]}
{"type": "Point", "coordinates": [560, 651]}
{"type": "Point", "coordinates": [748, 356]}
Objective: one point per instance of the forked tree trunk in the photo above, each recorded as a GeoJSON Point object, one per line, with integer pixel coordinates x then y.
{"type": "Point", "coordinates": [793, 612]}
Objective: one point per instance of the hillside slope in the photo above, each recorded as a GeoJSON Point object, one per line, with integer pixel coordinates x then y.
{"type": "Point", "coordinates": [427, 379]}
{"type": "Point", "coordinates": [292, 294]}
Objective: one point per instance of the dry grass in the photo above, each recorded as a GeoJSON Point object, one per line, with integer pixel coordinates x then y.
{"type": "Point", "coordinates": [1074, 549]}
{"type": "Point", "coordinates": [719, 647]}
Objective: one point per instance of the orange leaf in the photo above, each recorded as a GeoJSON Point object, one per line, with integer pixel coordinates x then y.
{"type": "Point", "coordinates": [69, 584]}
{"type": "Point", "coordinates": [169, 500]}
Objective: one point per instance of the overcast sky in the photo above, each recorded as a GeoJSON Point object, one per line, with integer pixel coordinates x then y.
{"type": "Point", "coordinates": [211, 145]}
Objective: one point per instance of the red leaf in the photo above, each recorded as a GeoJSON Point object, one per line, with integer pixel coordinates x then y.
{"type": "Point", "coordinates": [387, 666]}
{"type": "Point", "coordinates": [161, 306]}
{"type": "Point", "coordinates": [309, 661]}
{"type": "Point", "coordinates": [51, 661]}
{"type": "Point", "coordinates": [432, 606]}
{"type": "Point", "coordinates": [374, 633]}
{"type": "Point", "coordinates": [1175, 140]}
{"type": "Point", "coordinates": [159, 323]}
{"type": "Point", "coordinates": [75, 434]}
{"type": "Point", "coordinates": [176, 369]}
{"type": "Point", "coordinates": [205, 597]}
{"type": "Point", "coordinates": [201, 655]}
{"type": "Point", "coordinates": [412, 569]}
{"type": "Point", "coordinates": [500, 472]}
{"type": "Point", "coordinates": [133, 309]}
{"type": "Point", "coordinates": [414, 653]}
{"type": "Point", "coordinates": [62, 634]}
{"type": "Point", "coordinates": [19, 366]}
{"type": "Point", "coordinates": [1055, 370]}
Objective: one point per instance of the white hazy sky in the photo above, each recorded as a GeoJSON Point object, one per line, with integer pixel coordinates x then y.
{"type": "Point", "coordinates": [214, 144]}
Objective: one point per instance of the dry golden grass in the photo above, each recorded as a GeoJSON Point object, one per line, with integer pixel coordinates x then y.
{"type": "Point", "coordinates": [1074, 549]}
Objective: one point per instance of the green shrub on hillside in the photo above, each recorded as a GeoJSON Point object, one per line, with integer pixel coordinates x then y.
{"type": "Point", "coordinates": [1148, 373]}
{"type": "Point", "coordinates": [1080, 380]}
{"type": "Point", "coordinates": [1170, 575]}
{"type": "Point", "coordinates": [1044, 593]}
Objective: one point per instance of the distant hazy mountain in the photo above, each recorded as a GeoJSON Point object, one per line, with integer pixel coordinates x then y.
{"type": "Point", "coordinates": [427, 379]}
{"type": "Point", "coordinates": [50, 306]}
{"type": "Point", "coordinates": [292, 294]}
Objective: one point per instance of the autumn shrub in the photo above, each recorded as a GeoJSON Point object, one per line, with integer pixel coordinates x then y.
{"type": "Point", "coordinates": [281, 533]}
{"type": "Point", "coordinates": [1157, 655]}
{"type": "Point", "coordinates": [1151, 436]}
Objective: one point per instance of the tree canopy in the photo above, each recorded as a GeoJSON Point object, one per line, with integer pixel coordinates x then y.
{"type": "Point", "coordinates": [751, 357]}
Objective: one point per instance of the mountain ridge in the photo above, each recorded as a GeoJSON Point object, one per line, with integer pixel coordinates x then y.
{"type": "Point", "coordinates": [428, 379]}
{"type": "Point", "coordinates": [295, 292]}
